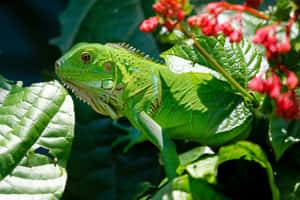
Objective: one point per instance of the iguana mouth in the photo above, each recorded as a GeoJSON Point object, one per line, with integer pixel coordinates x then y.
{"type": "Point", "coordinates": [100, 103]}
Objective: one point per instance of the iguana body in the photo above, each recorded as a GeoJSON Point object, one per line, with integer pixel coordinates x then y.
{"type": "Point", "coordinates": [117, 82]}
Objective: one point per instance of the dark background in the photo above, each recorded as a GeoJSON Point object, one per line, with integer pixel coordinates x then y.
{"type": "Point", "coordinates": [26, 27]}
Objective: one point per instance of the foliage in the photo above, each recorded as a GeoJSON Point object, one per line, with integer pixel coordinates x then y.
{"type": "Point", "coordinates": [37, 127]}
{"type": "Point", "coordinates": [37, 122]}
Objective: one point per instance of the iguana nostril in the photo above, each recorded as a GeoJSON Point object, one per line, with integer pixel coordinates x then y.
{"type": "Point", "coordinates": [57, 64]}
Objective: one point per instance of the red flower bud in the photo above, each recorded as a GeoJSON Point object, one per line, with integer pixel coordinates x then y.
{"type": "Point", "coordinates": [285, 46]}
{"type": "Point", "coordinates": [292, 80]}
{"type": "Point", "coordinates": [192, 21]}
{"type": "Point", "coordinates": [236, 36]}
{"type": "Point", "coordinates": [170, 25]}
{"type": "Point", "coordinates": [257, 84]}
{"type": "Point", "coordinates": [225, 28]}
{"type": "Point", "coordinates": [275, 91]}
{"type": "Point", "coordinates": [149, 25]}
{"type": "Point", "coordinates": [273, 85]}
{"type": "Point", "coordinates": [159, 8]}
{"type": "Point", "coordinates": [287, 105]}
{"type": "Point", "coordinates": [180, 15]}
{"type": "Point", "coordinates": [212, 7]}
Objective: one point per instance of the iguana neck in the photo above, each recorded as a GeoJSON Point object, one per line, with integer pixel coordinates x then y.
{"type": "Point", "coordinates": [140, 81]}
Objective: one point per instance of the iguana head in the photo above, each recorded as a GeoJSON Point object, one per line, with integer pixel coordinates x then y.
{"type": "Point", "coordinates": [89, 71]}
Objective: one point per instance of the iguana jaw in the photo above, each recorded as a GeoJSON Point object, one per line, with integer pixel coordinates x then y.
{"type": "Point", "coordinates": [98, 103]}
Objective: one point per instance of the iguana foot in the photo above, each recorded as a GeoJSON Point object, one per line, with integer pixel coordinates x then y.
{"type": "Point", "coordinates": [134, 136]}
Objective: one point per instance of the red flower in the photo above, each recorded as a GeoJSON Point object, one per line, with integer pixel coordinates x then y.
{"type": "Point", "coordinates": [169, 24]}
{"type": "Point", "coordinates": [257, 84]}
{"type": "Point", "coordinates": [267, 37]}
{"type": "Point", "coordinates": [193, 20]}
{"type": "Point", "coordinates": [225, 28]}
{"type": "Point", "coordinates": [287, 105]}
{"type": "Point", "coordinates": [236, 36]}
{"type": "Point", "coordinates": [292, 80]}
{"type": "Point", "coordinates": [149, 25]}
{"type": "Point", "coordinates": [180, 15]}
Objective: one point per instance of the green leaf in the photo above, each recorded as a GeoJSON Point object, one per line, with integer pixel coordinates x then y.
{"type": "Point", "coordinates": [250, 152]}
{"type": "Point", "coordinates": [36, 132]}
{"type": "Point", "coordinates": [187, 188]}
{"type": "Point", "coordinates": [283, 134]}
{"type": "Point", "coordinates": [192, 155]}
{"type": "Point", "coordinates": [288, 179]}
{"type": "Point", "coordinates": [104, 21]}
{"type": "Point", "coordinates": [207, 168]}
{"type": "Point", "coordinates": [5, 87]}
{"type": "Point", "coordinates": [282, 10]}
{"type": "Point", "coordinates": [241, 60]}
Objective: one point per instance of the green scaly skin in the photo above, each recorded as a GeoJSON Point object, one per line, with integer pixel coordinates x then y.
{"type": "Point", "coordinates": [116, 83]}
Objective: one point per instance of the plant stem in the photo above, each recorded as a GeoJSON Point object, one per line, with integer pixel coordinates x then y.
{"type": "Point", "coordinates": [217, 66]}
{"type": "Point", "coordinates": [245, 8]}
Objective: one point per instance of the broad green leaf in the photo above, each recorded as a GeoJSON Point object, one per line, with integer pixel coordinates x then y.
{"type": "Point", "coordinates": [104, 21]}
{"type": "Point", "coordinates": [250, 152]}
{"type": "Point", "coordinates": [207, 168]}
{"type": "Point", "coordinates": [194, 154]}
{"type": "Point", "coordinates": [36, 132]}
{"type": "Point", "coordinates": [241, 60]}
{"type": "Point", "coordinates": [283, 134]}
{"type": "Point", "coordinates": [187, 188]}
{"type": "Point", "coordinates": [5, 87]}
{"type": "Point", "coordinates": [282, 10]}
{"type": "Point", "coordinates": [288, 179]}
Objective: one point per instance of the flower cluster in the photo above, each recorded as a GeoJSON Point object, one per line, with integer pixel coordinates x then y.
{"type": "Point", "coordinates": [284, 93]}
{"type": "Point", "coordinates": [170, 13]}
{"type": "Point", "coordinates": [210, 26]}
{"type": "Point", "coordinates": [150, 24]}
{"type": "Point", "coordinates": [267, 37]}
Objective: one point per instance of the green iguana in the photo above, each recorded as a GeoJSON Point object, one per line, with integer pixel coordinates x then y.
{"type": "Point", "coordinates": [115, 81]}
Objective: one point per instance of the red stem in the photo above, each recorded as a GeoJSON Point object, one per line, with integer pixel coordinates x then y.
{"type": "Point", "coordinates": [242, 8]}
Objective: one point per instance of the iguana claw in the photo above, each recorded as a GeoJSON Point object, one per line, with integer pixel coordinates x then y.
{"type": "Point", "coordinates": [134, 136]}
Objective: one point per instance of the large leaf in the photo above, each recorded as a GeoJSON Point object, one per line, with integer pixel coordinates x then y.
{"type": "Point", "coordinates": [283, 134]}
{"type": "Point", "coordinates": [5, 87]}
{"type": "Point", "coordinates": [207, 167]}
{"type": "Point", "coordinates": [187, 188]}
{"type": "Point", "coordinates": [36, 132]}
{"type": "Point", "coordinates": [288, 179]}
{"type": "Point", "coordinates": [104, 21]}
{"type": "Point", "coordinates": [241, 60]}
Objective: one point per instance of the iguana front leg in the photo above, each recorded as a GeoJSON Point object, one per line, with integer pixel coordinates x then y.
{"type": "Point", "coordinates": [161, 140]}
{"type": "Point", "coordinates": [134, 136]}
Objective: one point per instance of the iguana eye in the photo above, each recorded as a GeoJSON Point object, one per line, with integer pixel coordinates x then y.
{"type": "Point", "coordinates": [108, 67]}
{"type": "Point", "coordinates": [86, 58]}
